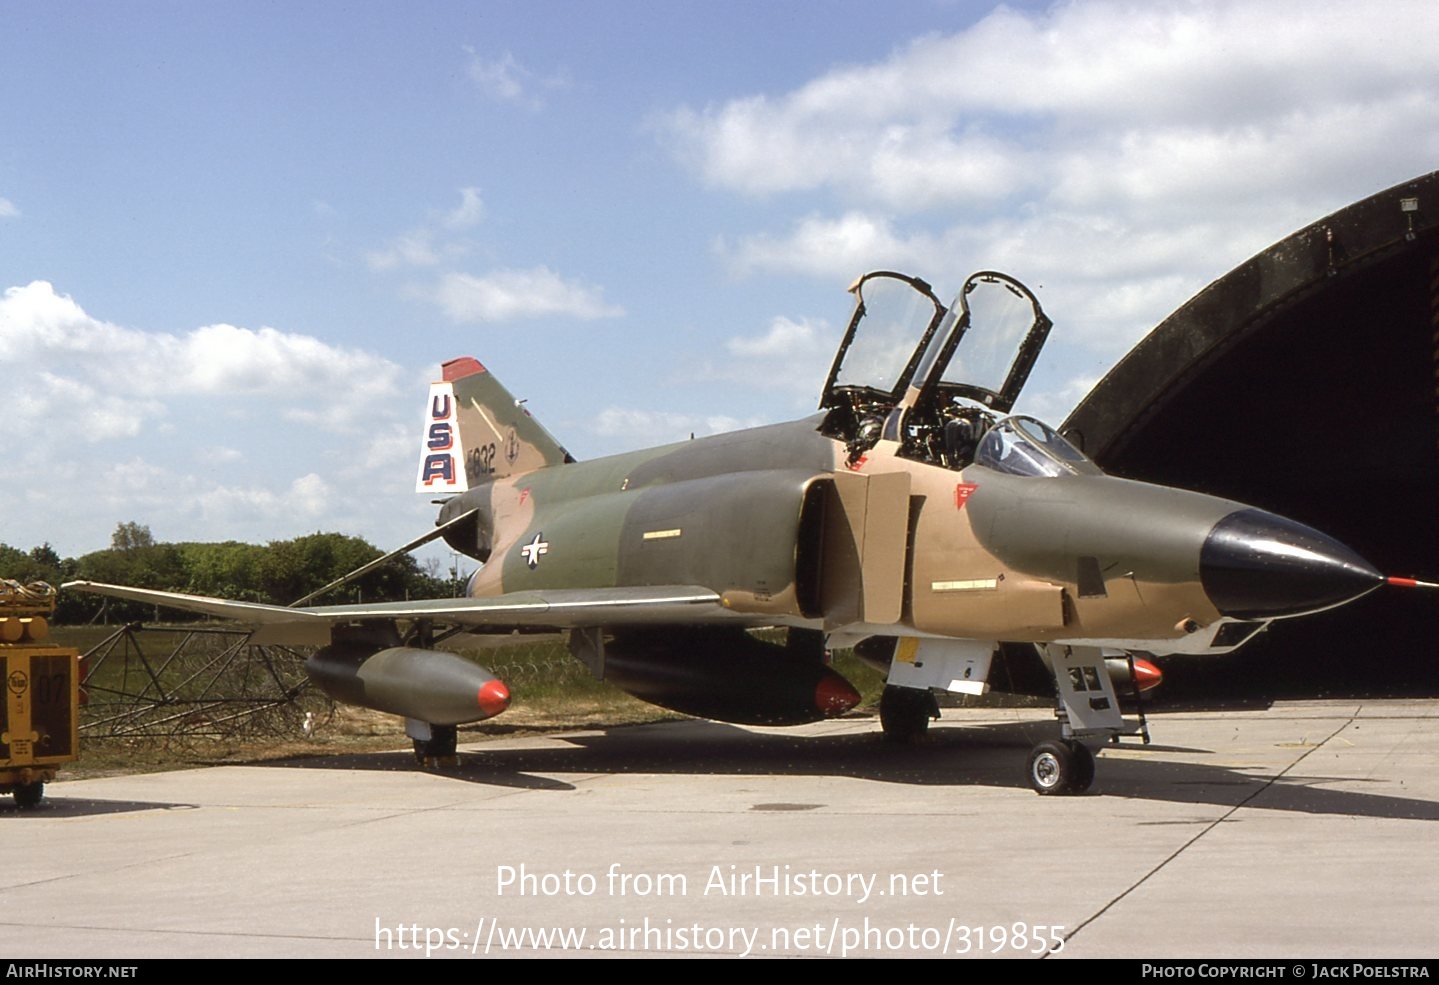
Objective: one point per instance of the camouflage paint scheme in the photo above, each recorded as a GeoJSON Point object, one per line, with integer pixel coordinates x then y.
{"type": "Point", "coordinates": [908, 516]}
{"type": "Point", "coordinates": [1022, 532]}
{"type": "Point", "coordinates": [725, 513]}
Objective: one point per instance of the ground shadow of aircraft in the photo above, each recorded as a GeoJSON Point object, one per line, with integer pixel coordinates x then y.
{"type": "Point", "coordinates": [975, 755]}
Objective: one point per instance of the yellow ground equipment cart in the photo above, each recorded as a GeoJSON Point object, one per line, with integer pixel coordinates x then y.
{"type": "Point", "coordinates": [39, 719]}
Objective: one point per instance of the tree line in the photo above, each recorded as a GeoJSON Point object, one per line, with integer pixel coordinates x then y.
{"type": "Point", "coordinates": [277, 573]}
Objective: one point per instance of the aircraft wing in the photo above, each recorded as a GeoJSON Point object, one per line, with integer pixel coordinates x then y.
{"type": "Point", "coordinates": [548, 609]}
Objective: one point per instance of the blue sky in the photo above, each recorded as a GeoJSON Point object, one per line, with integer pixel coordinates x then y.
{"type": "Point", "coordinates": [236, 240]}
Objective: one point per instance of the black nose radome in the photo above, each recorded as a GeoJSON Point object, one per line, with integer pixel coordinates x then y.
{"type": "Point", "coordinates": [1258, 565]}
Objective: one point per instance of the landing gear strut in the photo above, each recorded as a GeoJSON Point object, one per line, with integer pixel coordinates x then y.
{"type": "Point", "coordinates": [1087, 708]}
{"type": "Point", "coordinates": [905, 713]}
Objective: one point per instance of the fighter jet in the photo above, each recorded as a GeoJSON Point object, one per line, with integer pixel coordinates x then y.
{"type": "Point", "coordinates": [913, 517]}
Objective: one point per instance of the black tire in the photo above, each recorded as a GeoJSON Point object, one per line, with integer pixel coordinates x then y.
{"type": "Point", "coordinates": [1083, 768]}
{"type": "Point", "coordinates": [439, 749]}
{"type": "Point", "coordinates": [29, 795]}
{"type": "Point", "coordinates": [1051, 768]}
{"type": "Point", "coordinates": [1060, 767]}
{"type": "Point", "coordinates": [905, 713]}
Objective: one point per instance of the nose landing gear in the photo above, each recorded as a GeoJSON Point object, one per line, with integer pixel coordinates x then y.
{"type": "Point", "coordinates": [1060, 766]}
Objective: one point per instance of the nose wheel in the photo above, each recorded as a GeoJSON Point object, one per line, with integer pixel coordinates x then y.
{"type": "Point", "coordinates": [1061, 767]}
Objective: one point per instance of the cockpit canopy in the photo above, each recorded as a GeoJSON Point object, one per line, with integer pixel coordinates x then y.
{"type": "Point", "coordinates": [931, 377]}
{"type": "Point", "coordinates": [901, 338]}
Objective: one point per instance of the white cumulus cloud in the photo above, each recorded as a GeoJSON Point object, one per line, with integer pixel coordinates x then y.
{"type": "Point", "coordinates": [507, 294]}
{"type": "Point", "coordinates": [649, 427]}
{"type": "Point", "coordinates": [114, 377]}
{"type": "Point", "coordinates": [1117, 155]}
{"type": "Point", "coordinates": [194, 433]}
{"type": "Point", "coordinates": [430, 244]}
{"type": "Point", "coordinates": [307, 498]}
{"type": "Point", "coordinates": [828, 247]}
{"type": "Point", "coordinates": [1150, 95]}
{"type": "Point", "coordinates": [785, 339]}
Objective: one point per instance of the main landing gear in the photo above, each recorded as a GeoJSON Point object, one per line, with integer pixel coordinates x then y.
{"type": "Point", "coordinates": [905, 713]}
{"type": "Point", "coordinates": [434, 744]}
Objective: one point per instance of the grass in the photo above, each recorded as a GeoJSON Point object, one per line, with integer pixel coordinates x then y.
{"type": "Point", "coordinates": [553, 692]}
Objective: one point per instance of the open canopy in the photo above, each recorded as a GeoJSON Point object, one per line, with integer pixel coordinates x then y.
{"type": "Point", "coordinates": [904, 348]}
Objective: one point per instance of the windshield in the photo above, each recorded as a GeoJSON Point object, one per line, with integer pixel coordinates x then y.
{"type": "Point", "coordinates": [1024, 446]}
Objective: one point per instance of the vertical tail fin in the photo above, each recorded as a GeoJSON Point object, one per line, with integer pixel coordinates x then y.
{"type": "Point", "coordinates": [475, 431]}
